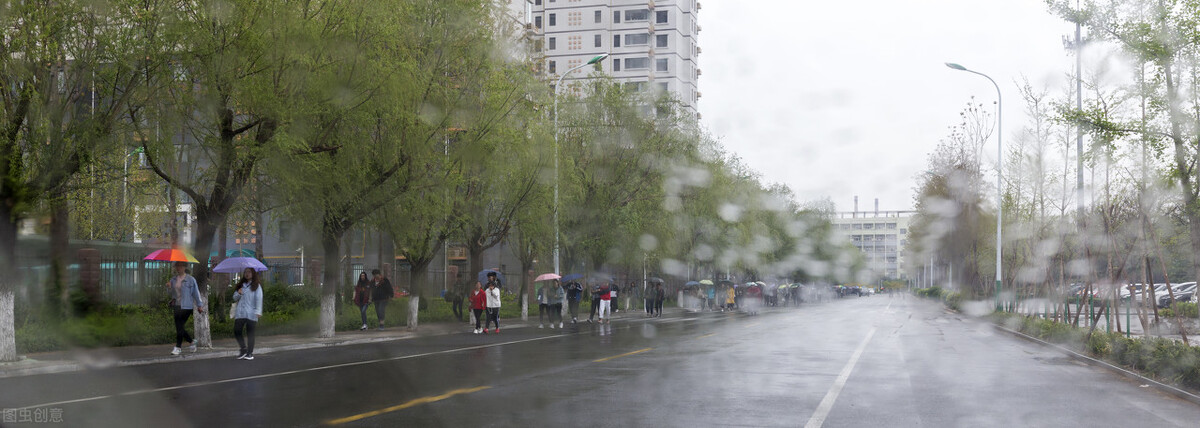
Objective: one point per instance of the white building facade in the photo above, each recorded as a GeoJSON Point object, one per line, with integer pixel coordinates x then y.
{"type": "Point", "coordinates": [652, 44]}
{"type": "Point", "coordinates": [880, 235]}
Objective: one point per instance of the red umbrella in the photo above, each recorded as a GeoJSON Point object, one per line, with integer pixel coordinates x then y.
{"type": "Point", "coordinates": [171, 255]}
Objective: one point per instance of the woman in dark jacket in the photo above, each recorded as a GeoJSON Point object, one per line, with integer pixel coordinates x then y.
{"type": "Point", "coordinates": [381, 292]}
{"type": "Point", "coordinates": [362, 297]}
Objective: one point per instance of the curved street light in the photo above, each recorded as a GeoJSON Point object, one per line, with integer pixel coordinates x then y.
{"type": "Point", "coordinates": [557, 88]}
{"type": "Point", "coordinates": [999, 174]}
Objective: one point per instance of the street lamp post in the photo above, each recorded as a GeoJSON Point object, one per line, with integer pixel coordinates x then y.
{"type": "Point", "coordinates": [557, 88]}
{"type": "Point", "coordinates": [999, 174]}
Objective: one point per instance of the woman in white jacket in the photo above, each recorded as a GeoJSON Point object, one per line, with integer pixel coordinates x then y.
{"type": "Point", "coordinates": [248, 294]}
{"type": "Point", "coordinates": [493, 303]}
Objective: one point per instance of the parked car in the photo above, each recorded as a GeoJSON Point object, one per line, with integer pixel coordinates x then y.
{"type": "Point", "coordinates": [1158, 291]}
{"type": "Point", "coordinates": [1131, 290]}
{"type": "Point", "coordinates": [1184, 292]}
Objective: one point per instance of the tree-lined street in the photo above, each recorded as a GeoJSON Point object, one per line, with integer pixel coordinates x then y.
{"type": "Point", "coordinates": [852, 362]}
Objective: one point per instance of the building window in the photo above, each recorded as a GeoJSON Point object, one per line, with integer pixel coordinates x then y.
{"type": "Point", "coordinates": [891, 225]}
{"type": "Point", "coordinates": [553, 44]}
{"type": "Point", "coordinates": [616, 64]}
{"type": "Point", "coordinates": [537, 22]}
{"type": "Point", "coordinates": [660, 17]}
{"type": "Point", "coordinates": [662, 86]}
{"type": "Point", "coordinates": [635, 86]}
{"type": "Point", "coordinates": [598, 17]}
{"type": "Point", "coordinates": [903, 231]}
{"type": "Point", "coordinates": [661, 64]}
{"type": "Point", "coordinates": [868, 225]}
{"type": "Point", "coordinates": [552, 68]}
{"type": "Point", "coordinates": [617, 41]}
{"type": "Point", "coordinates": [637, 39]}
{"type": "Point", "coordinates": [598, 40]}
{"type": "Point", "coordinates": [552, 20]}
{"type": "Point", "coordinates": [660, 41]}
{"type": "Point", "coordinates": [537, 2]}
{"type": "Point", "coordinates": [616, 17]}
{"type": "Point", "coordinates": [637, 15]}
{"type": "Point", "coordinates": [858, 226]}
{"type": "Point", "coordinates": [637, 63]}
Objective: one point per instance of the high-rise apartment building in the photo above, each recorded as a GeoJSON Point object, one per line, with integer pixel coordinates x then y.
{"type": "Point", "coordinates": [652, 43]}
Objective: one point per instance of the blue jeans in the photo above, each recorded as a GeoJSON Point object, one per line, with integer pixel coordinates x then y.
{"type": "Point", "coordinates": [362, 310]}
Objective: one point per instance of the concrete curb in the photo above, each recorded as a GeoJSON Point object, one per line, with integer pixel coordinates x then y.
{"type": "Point", "coordinates": [212, 353]}
{"type": "Point", "coordinates": [1163, 387]}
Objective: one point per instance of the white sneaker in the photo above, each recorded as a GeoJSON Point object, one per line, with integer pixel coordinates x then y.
{"type": "Point", "coordinates": [175, 351]}
{"type": "Point", "coordinates": [192, 348]}
{"type": "Point", "coordinates": [248, 357]}
{"type": "Point", "coordinates": [560, 324]}
{"type": "Point", "coordinates": [541, 326]}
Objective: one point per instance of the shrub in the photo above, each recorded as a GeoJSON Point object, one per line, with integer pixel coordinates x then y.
{"type": "Point", "coordinates": [954, 300]}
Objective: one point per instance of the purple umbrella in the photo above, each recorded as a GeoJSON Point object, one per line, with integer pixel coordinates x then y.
{"type": "Point", "coordinates": [238, 264]}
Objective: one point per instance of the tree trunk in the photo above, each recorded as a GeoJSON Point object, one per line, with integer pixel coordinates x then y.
{"type": "Point", "coordinates": [258, 236]}
{"type": "Point", "coordinates": [329, 282]}
{"type": "Point", "coordinates": [206, 230]}
{"type": "Point", "coordinates": [58, 297]}
{"type": "Point", "coordinates": [218, 309]}
{"type": "Point", "coordinates": [417, 287]}
{"type": "Point", "coordinates": [475, 252]}
{"type": "Point", "coordinates": [8, 283]}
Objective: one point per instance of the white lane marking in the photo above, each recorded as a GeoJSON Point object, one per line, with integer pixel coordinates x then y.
{"type": "Point", "coordinates": [290, 372]}
{"type": "Point", "coordinates": [818, 417]}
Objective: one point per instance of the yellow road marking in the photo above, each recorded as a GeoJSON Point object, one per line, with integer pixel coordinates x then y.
{"type": "Point", "coordinates": [415, 402]}
{"type": "Point", "coordinates": [707, 335]}
{"type": "Point", "coordinates": [622, 355]}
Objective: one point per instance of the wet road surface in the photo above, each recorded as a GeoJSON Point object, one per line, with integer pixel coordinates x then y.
{"type": "Point", "coordinates": [857, 362]}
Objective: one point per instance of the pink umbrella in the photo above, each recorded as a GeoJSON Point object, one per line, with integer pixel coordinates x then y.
{"type": "Point", "coordinates": [546, 277]}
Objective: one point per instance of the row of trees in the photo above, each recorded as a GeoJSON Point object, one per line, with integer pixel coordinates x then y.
{"type": "Point", "coordinates": [422, 120]}
{"type": "Point", "coordinates": [1140, 220]}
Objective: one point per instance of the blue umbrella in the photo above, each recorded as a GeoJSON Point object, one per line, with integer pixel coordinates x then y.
{"type": "Point", "coordinates": [483, 276]}
{"type": "Point", "coordinates": [692, 283]}
{"type": "Point", "coordinates": [238, 264]}
{"type": "Point", "coordinates": [571, 277]}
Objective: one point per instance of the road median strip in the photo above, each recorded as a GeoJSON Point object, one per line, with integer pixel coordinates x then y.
{"type": "Point", "coordinates": [410, 403]}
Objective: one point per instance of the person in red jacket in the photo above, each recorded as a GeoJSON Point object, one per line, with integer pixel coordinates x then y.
{"type": "Point", "coordinates": [478, 303]}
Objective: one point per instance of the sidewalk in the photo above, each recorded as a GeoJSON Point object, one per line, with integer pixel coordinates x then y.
{"type": "Point", "coordinates": [100, 358]}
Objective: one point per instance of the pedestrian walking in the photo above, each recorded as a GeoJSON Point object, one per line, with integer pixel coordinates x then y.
{"type": "Point", "coordinates": [651, 297]}
{"type": "Point", "coordinates": [543, 299]}
{"type": "Point", "coordinates": [493, 303]}
{"type": "Point", "coordinates": [248, 295]}
{"type": "Point", "coordinates": [478, 300]}
{"type": "Point", "coordinates": [185, 297]}
{"type": "Point", "coordinates": [381, 293]}
{"type": "Point", "coordinates": [362, 297]}
{"type": "Point", "coordinates": [612, 298]}
{"type": "Point", "coordinates": [456, 297]}
{"type": "Point", "coordinates": [730, 297]}
{"type": "Point", "coordinates": [660, 296]}
{"type": "Point", "coordinates": [595, 302]}
{"type": "Point", "coordinates": [556, 304]}
{"type": "Point", "coordinates": [604, 312]}
{"type": "Point", "coordinates": [574, 296]}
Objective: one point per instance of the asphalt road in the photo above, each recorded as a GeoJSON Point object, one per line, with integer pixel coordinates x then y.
{"type": "Point", "coordinates": [857, 362]}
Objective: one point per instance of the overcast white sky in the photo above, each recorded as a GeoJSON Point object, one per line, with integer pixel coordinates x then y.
{"type": "Point", "coordinates": [844, 98]}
